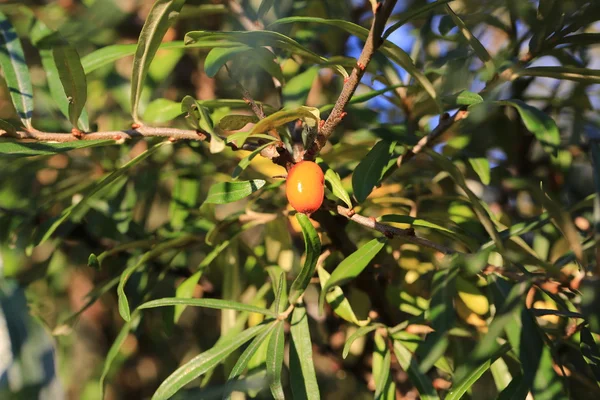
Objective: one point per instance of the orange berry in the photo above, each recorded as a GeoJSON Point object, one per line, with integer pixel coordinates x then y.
{"type": "Point", "coordinates": [305, 187]}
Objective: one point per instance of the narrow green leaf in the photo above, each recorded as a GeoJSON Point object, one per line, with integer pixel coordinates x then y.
{"type": "Point", "coordinates": [228, 192]}
{"type": "Point", "coordinates": [265, 6]}
{"type": "Point", "coordinates": [199, 117]}
{"type": "Point", "coordinates": [372, 168]}
{"type": "Point", "coordinates": [539, 123]}
{"type": "Point", "coordinates": [295, 91]}
{"type": "Point", "coordinates": [475, 44]}
{"type": "Point", "coordinates": [206, 303]}
{"type": "Point", "coordinates": [245, 162]}
{"type": "Point", "coordinates": [109, 54]}
{"type": "Point", "coordinates": [302, 370]}
{"type": "Point", "coordinates": [382, 358]}
{"type": "Point", "coordinates": [130, 270]}
{"type": "Point", "coordinates": [16, 72]}
{"type": "Point", "coordinates": [338, 301]}
{"type": "Point", "coordinates": [280, 118]}
{"type": "Point", "coordinates": [275, 361]}
{"type": "Point", "coordinates": [16, 149]}
{"type": "Point", "coordinates": [49, 43]}
{"type": "Point", "coordinates": [458, 389]}
{"type": "Point", "coordinates": [584, 75]}
{"type": "Point", "coordinates": [352, 266]}
{"type": "Point", "coordinates": [463, 98]}
{"type": "Point", "coordinates": [334, 183]}
{"type": "Point", "coordinates": [203, 363]}
{"type": "Point", "coordinates": [242, 362]}
{"type": "Point", "coordinates": [162, 14]}
{"type": "Point", "coordinates": [480, 211]}
{"type": "Point", "coordinates": [590, 351]}
{"type": "Point", "coordinates": [312, 248]}
{"type": "Point", "coordinates": [233, 122]}
{"type": "Point", "coordinates": [113, 352]}
{"type": "Point", "coordinates": [419, 379]}
{"type": "Point", "coordinates": [362, 331]}
{"type": "Point", "coordinates": [281, 284]}
{"type": "Point", "coordinates": [481, 166]}
{"type": "Point", "coordinates": [262, 38]}
{"type": "Point", "coordinates": [73, 80]}
{"type": "Point", "coordinates": [218, 57]}
{"type": "Point", "coordinates": [186, 288]}
{"type": "Point", "coordinates": [411, 14]}
{"type": "Point", "coordinates": [389, 49]}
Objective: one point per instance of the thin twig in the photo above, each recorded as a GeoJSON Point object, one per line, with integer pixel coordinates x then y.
{"type": "Point", "coordinates": [446, 123]}
{"type": "Point", "coordinates": [374, 40]}
{"type": "Point", "coordinates": [391, 231]}
{"type": "Point", "coordinates": [257, 109]}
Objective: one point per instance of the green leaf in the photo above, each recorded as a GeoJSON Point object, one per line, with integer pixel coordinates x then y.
{"type": "Point", "coordinates": [199, 118]}
{"type": "Point", "coordinates": [69, 77]}
{"type": "Point", "coordinates": [303, 378]}
{"type": "Point", "coordinates": [278, 119]}
{"type": "Point", "coordinates": [458, 389]}
{"type": "Point", "coordinates": [584, 75]}
{"type": "Point", "coordinates": [73, 80]}
{"type": "Point", "coordinates": [382, 358]}
{"type": "Point", "coordinates": [162, 14]}
{"type": "Point", "coordinates": [312, 248]}
{"type": "Point", "coordinates": [127, 272]}
{"type": "Point", "coordinates": [17, 149]}
{"type": "Point", "coordinates": [481, 166]}
{"type": "Point", "coordinates": [242, 362]}
{"type": "Point", "coordinates": [539, 123]}
{"type": "Point", "coordinates": [464, 98]}
{"type": "Point", "coordinates": [115, 348]}
{"type": "Point", "coordinates": [228, 192]}
{"type": "Point", "coordinates": [162, 110]}
{"type": "Point", "coordinates": [441, 313]}
{"type": "Point", "coordinates": [48, 228]}
{"type": "Point", "coordinates": [203, 363]}
{"type": "Point", "coordinates": [233, 122]}
{"type": "Point", "coordinates": [109, 54]}
{"type": "Point", "coordinates": [371, 169]}
{"type": "Point", "coordinates": [265, 6]}
{"type": "Point", "coordinates": [590, 352]}
{"type": "Point", "coordinates": [334, 183]}
{"type": "Point", "coordinates": [338, 301]}
{"type": "Point", "coordinates": [275, 361]}
{"type": "Point", "coordinates": [295, 91]}
{"type": "Point", "coordinates": [480, 211]}
{"type": "Point", "coordinates": [16, 72]}
{"type": "Point", "coordinates": [186, 288]}
{"type": "Point", "coordinates": [218, 57]}
{"type": "Point", "coordinates": [352, 266]}
{"type": "Point", "coordinates": [245, 162]}
{"type": "Point", "coordinates": [475, 44]}
{"type": "Point", "coordinates": [389, 49]}
{"type": "Point", "coordinates": [206, 303]}
{"type": "Point", "coordinates": [411, 14]}
{"type": "Point", "coordinates": [419, 379]}
{"type": "Point", "coordinates": [262, 38]}
{"type": "Point", "coordinates": [362, 331]}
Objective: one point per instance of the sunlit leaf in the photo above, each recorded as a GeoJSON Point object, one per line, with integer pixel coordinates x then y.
{"type": "Point", "coordinates": [302, 370]}
{"type": "Point", "coordinates": [312, 248]}
{"type": "Point", "coordinates": [275, 361]}
{"type": "Point", "coordinates": [228, 192]}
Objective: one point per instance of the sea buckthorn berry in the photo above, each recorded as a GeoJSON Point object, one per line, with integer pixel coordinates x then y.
{"type": "Point", "coordinates": [305, 187]}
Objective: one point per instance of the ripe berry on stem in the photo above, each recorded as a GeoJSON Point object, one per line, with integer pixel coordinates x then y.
{"type": "Point", "coordinates": [305, 187]}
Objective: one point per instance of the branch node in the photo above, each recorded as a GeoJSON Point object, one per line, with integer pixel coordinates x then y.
{"type": "Point", "coordinates": [351, 213]}
{"type": "Point", "coordinates": [135, 126]}
{"type": "Point", "coordinates": [360, 65]}
{"type": "Point", "coordinates": [77, 133]}
{"type": "Point", "coordinates": [342, 115]}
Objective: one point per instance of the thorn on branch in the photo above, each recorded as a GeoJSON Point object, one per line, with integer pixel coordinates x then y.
{"type": "Point", "coordinates": [342, 115]}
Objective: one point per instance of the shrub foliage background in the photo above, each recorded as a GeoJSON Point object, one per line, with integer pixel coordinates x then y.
{"type": "Point", "coordinates": [455, 255]}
